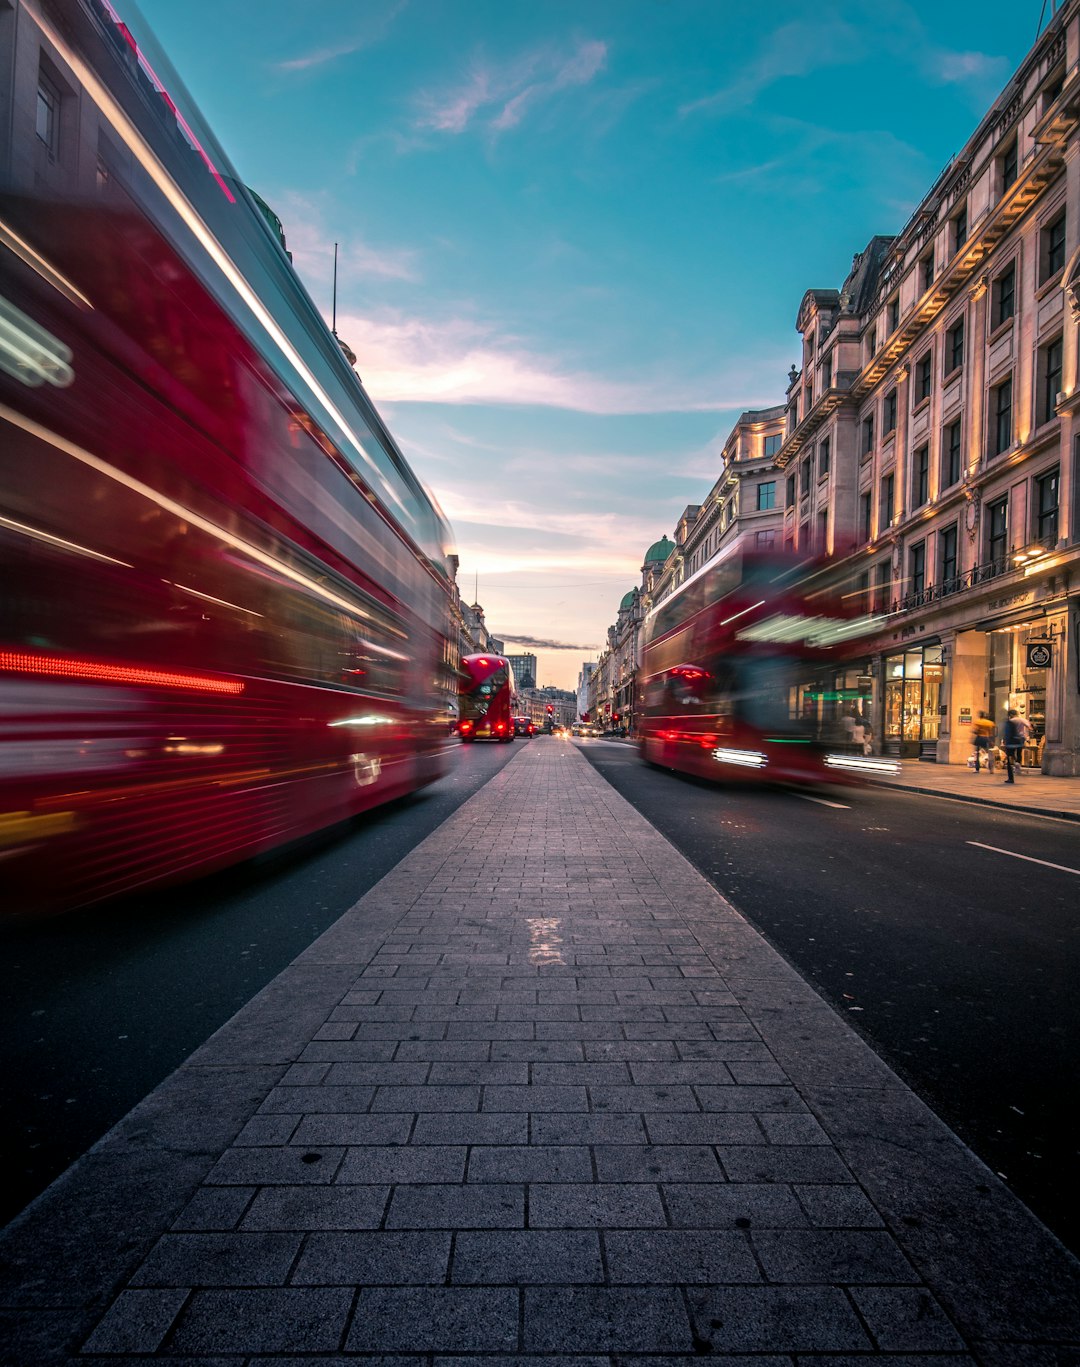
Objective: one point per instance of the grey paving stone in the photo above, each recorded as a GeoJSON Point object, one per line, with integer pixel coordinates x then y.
{"type": "Point", "coordinates": [530, 1051]}
{"type": "Point", "coordinates": [426, 1099]}
{"type": "Point", "coordinates": [754, 1099]}
{"type": "Point", "coordinates": [776, 1319]}
{"type": "Point", "coordinates": [844, 1257]}
{"type": "Point", "coordinates": [587, 1129]}
{"type": "Point", "coordinates": [291, 1166]}
{"type": "Point", "coordinates": [477, 1206]}
{"type": "Point", "coordinates": [215, 1208]}
{"type": "Point", "coordinates": [286, 1319]}
{"type": "Point", "coordinates": [605, 1319]}
{"type": "Point", "coordinates": [495, 1030]}
{"type": "Point", "coordinates": [658, 1163]}
{"type": "Point", "coordinates": [712, 1128]}
{"type": "Point", "coordinates": [261, 1130]}
{"type": "Point", "coordinates": [906, 1319]}
{"type": "Point", "coordinates": [349, 1129]}
{"type": "Point", "coordinates": [405, 1163]}
{"type": "Point", "coordinates": [535, 1099]}
{"type": "Point", "coordinates": [307, 1100]}
{"type": "Point", "coordinates": [444, 1051]}
{"type": "Point", "coordinates": [708, 1071]}
{"type": "Point", "coordinates": [305, 1208]}
{"type": "Point", "coordinates": [757, 1072]}
{"type": "Point", "coordinates": [393, 1074]}
{"type": "Point", "coordinates": [838, 1207]}
{"type": "Point", "coordinates": [382, 1258]}
{"type": "Point", "coordinates": [439, 1319]}
{"type": "Point", "coordinates": [531, 1163]}
{"type": "Point", "coordinates": [641, 1099]}
{"type": "Point", "coordinates": [627, 1050]}
{"type": "Point", "coordinates": [783, 1163]}
{"type": "Point", "coordinates": [728, 1206]}
{"type": "Point", "coordinates": [304, 1074]}
{"type": "Point", "coordinates": [527, 1257]}
{"type": "Point", "coordinates": [596, 1206]}
{"type": "Point", "coordinates": [483, 1074]}
{"type": "Point", "coordinates": [667, 1030]}
{"type": "Point", "coordinates": [136, 1322]}
{"type": "Point", "coordinates": [471, 1129]}
{"type": "Point", "coordinates": [682, 1257]}
{"type": "Point", "coordinates": [792, 1129]}
{"type": "Point", "coordinates": [233, 1259]}
{"type": "Point", "coordinates": [580, 1074]}
{"type": "Point", "coordinates": [396, 1031]}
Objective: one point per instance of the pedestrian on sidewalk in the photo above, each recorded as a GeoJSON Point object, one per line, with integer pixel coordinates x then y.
{"type": "Point", "coordinates": [983, 735]}
{"type": "Point", "coordinates": [1013, 738]}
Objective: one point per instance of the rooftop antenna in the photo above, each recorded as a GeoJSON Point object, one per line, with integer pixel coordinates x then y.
{"type": "Point", "coordinates": [476, 587]}
{"type": "Point", "coordinates": [333, 325]}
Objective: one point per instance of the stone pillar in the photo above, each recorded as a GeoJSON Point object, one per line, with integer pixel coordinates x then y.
{"type": "Point", "coordinates": [1061, 753]}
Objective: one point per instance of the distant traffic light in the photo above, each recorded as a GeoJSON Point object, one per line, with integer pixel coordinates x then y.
{"type": "Point", "coordinates": [550, 707]}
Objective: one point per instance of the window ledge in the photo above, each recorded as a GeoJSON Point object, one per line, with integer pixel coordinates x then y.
{"type": "Point", "coordinates": [1002, 330]}
{"type": "Point", "coordinates": [1048, 286]}
{"type": "Point", "coordinates": [949, 376]}
{"type": "Point", "coordinates": [922, 403]}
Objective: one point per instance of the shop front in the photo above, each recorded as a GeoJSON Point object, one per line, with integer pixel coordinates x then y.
{"type": "Point", "coordinates": [836, 705]}
{"type": "Point", "coordinates": [1020, 658]}
{"type": "Point", "coordinates": [914, 701]}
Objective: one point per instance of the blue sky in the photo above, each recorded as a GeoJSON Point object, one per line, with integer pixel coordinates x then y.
{"type": "Point", "coordinates": [574, 236]}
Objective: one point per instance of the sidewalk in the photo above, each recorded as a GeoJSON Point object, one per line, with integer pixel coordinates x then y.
{"type": "Point", "coordinates": [541, 1092]}
{"type": "Point", "coordinates": [1033, 791]}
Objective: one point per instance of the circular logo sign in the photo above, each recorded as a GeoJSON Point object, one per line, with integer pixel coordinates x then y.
{"type": "Point", "coordinates": [1038, 657]}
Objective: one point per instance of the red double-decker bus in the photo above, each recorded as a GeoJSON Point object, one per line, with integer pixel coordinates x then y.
{"type": "Point", "coordinates": [486, 698]}
{"type": "Point", "coordinates": [731, 675]}
{"type": "Point", "coordinates": [224, 617]}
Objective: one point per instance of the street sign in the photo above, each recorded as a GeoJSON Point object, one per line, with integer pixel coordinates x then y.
{"type": "Point", "coordinates": [1039, 654]}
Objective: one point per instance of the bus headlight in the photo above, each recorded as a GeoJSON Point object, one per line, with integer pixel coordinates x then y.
{"type": "Point", "coordinates": [746, 759]}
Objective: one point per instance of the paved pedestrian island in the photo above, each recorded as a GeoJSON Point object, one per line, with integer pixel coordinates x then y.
{"type": "Point", "coordinates": [541, 1094]}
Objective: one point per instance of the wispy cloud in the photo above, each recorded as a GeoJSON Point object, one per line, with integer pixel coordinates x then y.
{"type": "Point", "coordinates": [535, 643]}
{"type": "Point", "coordinates": [312, 245]}
{"type": "Point", "coordinates": [463, 361]}
{"type": "Point", "coordinates": [371, 31]}
{"type": "Point", "coordinates": [496, 99]}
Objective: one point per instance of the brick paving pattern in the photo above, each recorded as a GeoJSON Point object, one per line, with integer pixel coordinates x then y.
{"type": "Point", "coordinates": [542, 1093]}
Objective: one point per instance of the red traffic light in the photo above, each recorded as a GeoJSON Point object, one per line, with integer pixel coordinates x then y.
{"type": "Point", "coordinates": [550, 707]}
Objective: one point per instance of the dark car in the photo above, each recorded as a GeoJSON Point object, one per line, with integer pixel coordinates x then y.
{"type": "Point", "coordinates": [523, 726]}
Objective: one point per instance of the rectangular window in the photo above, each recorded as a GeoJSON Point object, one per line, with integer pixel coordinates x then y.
{"type": "Point", "coordinates": [790, 503]}
{"type": "Point", "coordinates": [954, 347]}
{"type": "Point", "coordinates": [921, 483]}
{"type": "Point", "coordinates": [804, 476]}
{"type": "Point", "coordinates": [888, 412]}
{"type": "Point", "coordinates": [1001, 417]}
{"type": "Point", "coordinates": [997, 522]}
{"type": "Point", "coordinates": [882, 587]}
{"type": "Point", "coordinates": [926, 271]}
{"type": "Point", "coordinates": [947, 566]}
{"type": "Point", "coordinates": [1009, 162]}
{"type": "Point", "coordinates": [1050, 365]}
{"type": "Point", "coordinates": [888, 500]}
{"type": "Point", "coordinates": [868, 435]}
{"type": "Point", "coordinates": [764, 541]}
{"type": "Point", "coordinates": [1052, 248]}
{"type": "Point", "coordinates": [1003, 301]}
{"type": "Point", "coordinates": [950, 465]}
{"type": "Point", "coordinates": [47, 117]}
{"type": "Point", "coordinates": [826, 374]}
{"type": "Point", "coordinates": [766, 496]}
{"type": "Point", "coordinates": [823, 531]}
{"type": "Point", "coordinates": [871, 343]}
{"type": "Point", "coordinates": [866, 512]}
{"type": "Point", "coordinates": [772, 444]}
{"type": "Point", "coordinates": [924, 377]}
{"type": "Point", "coordinates": [960, 229]}
{"type": "Point", "coordinates": [917, 568]}
{"type": "Point", "coordinates": [824, 456]}
{"type": "Point", "coordinates": [1046, 506]}
{"type": "Point", "coordinates": [894, 314]}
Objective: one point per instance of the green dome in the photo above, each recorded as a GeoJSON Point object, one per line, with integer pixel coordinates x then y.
{"type": "Point", "coordinates": [627, 600]}
{"type": "Point", "coordinates": [659, 551]}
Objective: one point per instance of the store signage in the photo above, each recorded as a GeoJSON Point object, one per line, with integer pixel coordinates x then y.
{"type": "Point", "coordinates": [1039, 654]}
{"type": "Point", "coordinates": [965, 716]}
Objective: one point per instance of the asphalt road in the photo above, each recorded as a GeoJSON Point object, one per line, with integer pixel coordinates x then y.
{"type": "Point", "coordinates": [98, 1006]}
{"type": "Point", "coordinates": [959, 964]}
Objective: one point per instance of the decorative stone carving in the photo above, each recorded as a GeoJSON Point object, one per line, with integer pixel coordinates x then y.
{"type": "Point", "coordinates": [972, 510]}
{"type": "Point", "coordinates": [979, 287]}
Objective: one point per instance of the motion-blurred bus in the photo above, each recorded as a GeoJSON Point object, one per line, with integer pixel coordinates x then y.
{"type": "Point", "coordinates": [225, 609]}
{"type": "Point", "coordinates": [731, 670]}
{"type": "Point", "coordinates": [487, 698]}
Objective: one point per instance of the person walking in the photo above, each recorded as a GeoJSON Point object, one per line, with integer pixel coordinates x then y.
{"type": "Point", "coordinates": [983, 735]}
{"type": "Point", "coordinates": [1012, 740]}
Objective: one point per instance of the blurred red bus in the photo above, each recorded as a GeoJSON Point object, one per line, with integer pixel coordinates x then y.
{"type": "Point", "coordinates": [486, 698]}
{"type": "Point", "coordinates": [731, 666]}
{"type": "Point", "coordinates": [225, 611]}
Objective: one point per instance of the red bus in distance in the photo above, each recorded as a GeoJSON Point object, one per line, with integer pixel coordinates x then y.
{"type": "Point", "coordinates": [744, 673]}
{"type": "Point", "coordinates": [486, 699]}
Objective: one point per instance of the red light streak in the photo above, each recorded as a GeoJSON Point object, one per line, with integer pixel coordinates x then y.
{"type": "Point", "coordinates": [68, 668]}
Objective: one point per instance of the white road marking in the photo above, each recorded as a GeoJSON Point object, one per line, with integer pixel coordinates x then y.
{"type": "Point", "coordinates": [824, 802]}
{"type": "Point", "coordinates": [1044, 862]}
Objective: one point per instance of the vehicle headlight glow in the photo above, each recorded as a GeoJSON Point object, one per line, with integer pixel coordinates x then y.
{"type": "Point", "coordinates": [864, 764]}
{"type": "Point", "coordinates": [746, 759]}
